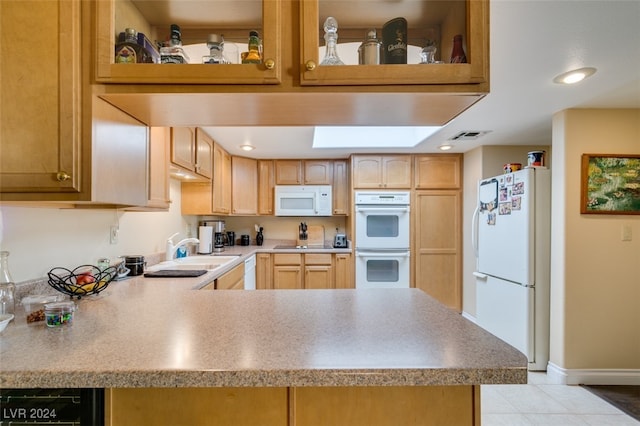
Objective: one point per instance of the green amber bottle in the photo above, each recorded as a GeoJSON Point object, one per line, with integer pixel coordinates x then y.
{"type": "Point", "coordinates": [254, 54]}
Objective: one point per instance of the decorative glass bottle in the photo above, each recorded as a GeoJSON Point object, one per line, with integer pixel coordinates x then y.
{"type": "Point", "coordinates": [130, 51]}
{"type": "Point", "coordinates": [174, 53]}
{"type": "Point", "coordinates": [254, 55]}
{"type": "Point", "coordinates": [331, 39]}
{"type": "Point", "coordinates": [457, 53]}
{"type": "Point", "coordinates": [7, 286]}
{"type": "Point", "coordinates": [215, 43]}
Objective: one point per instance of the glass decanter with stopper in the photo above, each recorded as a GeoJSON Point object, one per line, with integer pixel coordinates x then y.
{"type": "Point", "coordinates": [7, 286]}
{"type": "Point", "coordinates": [331, 39]}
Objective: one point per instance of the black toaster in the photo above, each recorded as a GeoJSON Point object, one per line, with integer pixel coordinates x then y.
{"type": "Point", "coordinates": [340, 241]}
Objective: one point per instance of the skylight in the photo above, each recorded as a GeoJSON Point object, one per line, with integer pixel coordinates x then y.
{"type": "Point", "coordinates": [371, 137]}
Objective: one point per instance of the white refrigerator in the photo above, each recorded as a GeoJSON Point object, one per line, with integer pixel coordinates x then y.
{"type": "Point", "coordinates": [511, 238]}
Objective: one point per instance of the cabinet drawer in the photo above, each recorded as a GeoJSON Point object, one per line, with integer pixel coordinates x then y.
{"type": "Point", "coordinates": [231, 278]}
{"type": "Point", "coordinates": [317, 259]}
{"type": "Point", "coordinates": [287, 259]}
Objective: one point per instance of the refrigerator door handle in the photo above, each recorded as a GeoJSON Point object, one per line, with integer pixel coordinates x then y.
{"type": "Point", "coordinates": [480, 275]}
{"type": "Point", "coordinates": [474, 230]}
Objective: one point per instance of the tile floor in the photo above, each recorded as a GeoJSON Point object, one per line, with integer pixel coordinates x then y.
{"type": "Point", "coordinates": [545, 404]}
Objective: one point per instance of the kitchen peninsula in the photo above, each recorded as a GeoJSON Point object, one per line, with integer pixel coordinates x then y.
{"type": "Point", "coordinates": [264, 357]}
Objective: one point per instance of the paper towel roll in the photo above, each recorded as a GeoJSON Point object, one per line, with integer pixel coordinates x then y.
{"type": "Point", "coordinates": [205, 235]}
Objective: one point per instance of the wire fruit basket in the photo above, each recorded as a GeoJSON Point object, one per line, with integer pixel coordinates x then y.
{"type": "Point", "coordinates": [81, 281]}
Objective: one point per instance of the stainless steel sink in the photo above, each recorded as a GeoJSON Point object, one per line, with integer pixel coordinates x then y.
{"type": "Point", "coordinates": [208, 262]}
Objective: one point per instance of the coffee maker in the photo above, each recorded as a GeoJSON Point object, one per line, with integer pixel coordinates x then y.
{"type": "Point", "coordinates": [212, 236]}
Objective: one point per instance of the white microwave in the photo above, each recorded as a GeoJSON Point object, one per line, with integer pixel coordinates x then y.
{"type": "Point", "coordinates": [303, 200]}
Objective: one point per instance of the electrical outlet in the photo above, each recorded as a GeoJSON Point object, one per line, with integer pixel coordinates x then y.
{"type": "Point", "coordinates": [113, 235]}
{"type": "Point", "coordinates": [626, 233]}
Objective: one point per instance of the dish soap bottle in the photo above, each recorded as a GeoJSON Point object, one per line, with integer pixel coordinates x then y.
{"type": "Point", "coordinates": [7, 286]}
{"type": "Point", "coordinates": [260, 237]}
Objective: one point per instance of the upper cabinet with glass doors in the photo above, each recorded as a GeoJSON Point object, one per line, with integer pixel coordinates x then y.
{"type": "Point", "coordinates": [198, 19]}
{"type": "Point", "coordinates": [428, 23]}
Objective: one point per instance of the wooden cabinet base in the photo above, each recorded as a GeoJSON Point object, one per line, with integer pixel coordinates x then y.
{"type": "Point", "coordinates": [196, 406]}
{"type": "Point", "coordinates": [386, 406]}
{"type": "Point", "coordinates": [302, 406]}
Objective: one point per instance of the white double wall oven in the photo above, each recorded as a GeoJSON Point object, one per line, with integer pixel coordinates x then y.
{"type": "Point", "coordinates": [382, 239]}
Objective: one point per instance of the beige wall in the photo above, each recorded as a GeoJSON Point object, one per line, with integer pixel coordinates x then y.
{"type": "Point", "coordinates": [42, 238]}
{"type": "Point", "coordinates": [595, 277]}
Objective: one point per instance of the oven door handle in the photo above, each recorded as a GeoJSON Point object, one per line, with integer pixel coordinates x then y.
{"type": "Point", "coordinates": [383, 209]}
{"type": "Point", "coordinates": [383, 254]}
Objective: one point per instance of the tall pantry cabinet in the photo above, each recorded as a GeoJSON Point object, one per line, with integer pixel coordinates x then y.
{"type": "Point", "coordinates": [437, 227]}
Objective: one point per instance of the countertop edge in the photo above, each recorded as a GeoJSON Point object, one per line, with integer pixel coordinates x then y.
{"type": "Point", "coordinates": [263, 378]}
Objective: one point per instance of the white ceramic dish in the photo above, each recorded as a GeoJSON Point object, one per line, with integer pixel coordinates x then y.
{"type": "Point", "coordinates": [4, 321]}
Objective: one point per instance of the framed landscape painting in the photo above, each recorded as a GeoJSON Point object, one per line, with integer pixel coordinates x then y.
{"type": "Point", "coordinates": [610, 184]}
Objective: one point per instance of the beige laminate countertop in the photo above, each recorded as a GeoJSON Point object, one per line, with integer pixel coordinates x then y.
{"type": "Point", "coordinates": [146, 332]}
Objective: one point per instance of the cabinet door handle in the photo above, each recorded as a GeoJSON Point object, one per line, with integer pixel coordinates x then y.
{"type": "Point", "coordinates": [310, 65]}
{"type": "Point", "coordinates": [269, 64]}
{"type": "Point", "coordinates": [62, 176]}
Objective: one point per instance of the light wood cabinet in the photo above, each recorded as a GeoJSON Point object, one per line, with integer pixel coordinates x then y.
{"type": "Point", "coordinates": [232, 280]}
{"type": "Point", "coordinates": [264, 271]}
{"type": "Point", "coordinates": [213, 196]}
{"type": "Point", "coordinates": [221, 180]}
{"type": "Point", "coordinates": [318, 271]}
{"type": "Point", "coordinates": [287, 271]}
{"type": "Point", "coordinates": [438, 245]}
{"type": "Point", "coordinates": [299, 406]}
{"type": "Point", "coordinates": [59, 142]}
{"type": "Point", "coordinates": [304, 172]}
{"type": "Point", "coordinates": [448, 20]}
{"type": "Point", "coordinates": [243, 95]}
{"type": "Point", "coordinates": [386, 171]}
{"type": "Point", "coordinates": [440, 171]}
{"type": "Point", "coordinates": [288, 172]}
{"type": "Point", "coordinates": [197, 20]}
{"type": "Point", "coordinates": [244, 186]}
{"type": "Point", "coordinates": [158, 176]}
{"type": "Point", "coordinates": [196, 406]}
{"type": "Point", "coordinates": [341, 188]}
{"type": "Point", "coordinates": [385, 405]}
{"type": "Point", "coordinates": [192, 151]}
{"type": "Point", "coordinates": [266, 183]}
{"type": "Point", "coordinates": [309, 271]}
{"type": "Point", "coordinates": [318, 172]}
{"type": "Point", "coordinates": [344, 271]}
{"type": "Point", "coordinates": [41, 116]}
{"type": "Point", "coordinates": [159, 167]}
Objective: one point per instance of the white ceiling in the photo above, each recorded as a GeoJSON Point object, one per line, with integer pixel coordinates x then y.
{"type": "Point", "coordinates": [531, 43]}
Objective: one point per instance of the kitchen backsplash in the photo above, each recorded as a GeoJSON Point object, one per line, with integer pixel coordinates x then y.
{"type": "Point", "coordinates": [40, 239]}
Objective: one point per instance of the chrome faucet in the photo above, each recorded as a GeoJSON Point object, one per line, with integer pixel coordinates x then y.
{"type": "Point", "coordinates": [172, 249]}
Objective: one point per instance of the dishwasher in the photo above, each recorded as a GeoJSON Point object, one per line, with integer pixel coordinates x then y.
{"type": "Point", "coordinates": [250, 273]}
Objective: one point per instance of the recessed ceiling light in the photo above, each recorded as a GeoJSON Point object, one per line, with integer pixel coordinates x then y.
{"type": "Point", "coordinates": [247, 147]}
{"type": "Point", "coordinates": [574, 76]}
{"type": "Point", "coordinates": [445, 147]}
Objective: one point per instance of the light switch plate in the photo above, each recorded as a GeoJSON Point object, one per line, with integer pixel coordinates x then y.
{"type": "Point", "coordinates": [626, 233]}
